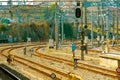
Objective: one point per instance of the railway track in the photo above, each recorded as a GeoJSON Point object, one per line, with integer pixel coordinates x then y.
{"type": "Point", "coordinates": [12, 74]}
{"type": "Point", "coordinates": [95, 51]}
{"type": "Point", "coordinates": [114, 48]}
{"type": "Point", "coordinates": [81, 65]}
{"type": "Point", "coordinates": [23, 62]}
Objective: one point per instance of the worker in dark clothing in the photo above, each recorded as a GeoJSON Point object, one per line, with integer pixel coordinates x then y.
{"type": "Point", "coordinates": [10, 58]}
{"type": "Point", "coordinates": [31, 51]}
{"type": "Point", "coordinates": [24, 49]}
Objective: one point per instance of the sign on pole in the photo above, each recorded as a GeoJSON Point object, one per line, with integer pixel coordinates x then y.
{"type": "Point", "coordinates": [118, 70]}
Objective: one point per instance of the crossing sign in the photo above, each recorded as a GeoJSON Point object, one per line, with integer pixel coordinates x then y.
{"type": "Point", "coordinates": [118, 70]}
{"type": "Point", "coordinates": [53, 76]}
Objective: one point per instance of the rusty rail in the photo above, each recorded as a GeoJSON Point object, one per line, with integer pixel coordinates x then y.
{"type": "Point", "coordinates": [92, 68]}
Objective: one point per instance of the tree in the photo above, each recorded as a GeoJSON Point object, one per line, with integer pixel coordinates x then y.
{"type": "Point", "coordinates": [68, 30]}
{"type": "Point", "coordinates": [3, 28]}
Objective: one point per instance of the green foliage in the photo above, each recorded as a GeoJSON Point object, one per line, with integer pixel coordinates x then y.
{"type": "Point", "coordinates": [41, 29]}
{"type": "Point", "coordinates": [35, 30]}
{"type": "Point", "coordinates": [52, 6]}
{"type": "Point", "coordinates": [49, 13]}
{"type": "Point", "coordinates": [4, 20]}
{"type": "Point", "coordinates": [3, 28]}
{"type": "Point", "coordinates": [68, 30]}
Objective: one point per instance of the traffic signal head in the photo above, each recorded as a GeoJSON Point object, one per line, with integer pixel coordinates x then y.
{"type": "Point", "coordinates": [78, 12]}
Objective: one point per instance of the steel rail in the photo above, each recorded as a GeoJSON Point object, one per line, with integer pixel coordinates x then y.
{"type": "Point", "coordinates": [115, 48]}
{"type": "Point", "coordinates": [88, 67]}
{"type": "Point", "coordinates": [31, 67]}
{"type": "Point", "coordinates": [96, 69]}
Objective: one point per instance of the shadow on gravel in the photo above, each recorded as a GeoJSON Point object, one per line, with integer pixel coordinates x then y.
{"type": "Point", "coordinates": [5, 77]}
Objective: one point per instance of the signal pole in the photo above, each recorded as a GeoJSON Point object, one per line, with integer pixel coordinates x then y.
{"type": "Point", "coordinates": [77, 15]}
{"type": "Point", "coordinates": [82, 47]}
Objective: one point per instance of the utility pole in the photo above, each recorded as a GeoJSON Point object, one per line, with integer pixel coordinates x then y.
{"type": "Point", "coordinates": [108, 31]}
{"type": "Point", "coordinates": [113, 22]}
{"type": "Point", "coordinates": [18, 16]}
{"type": "Point", "coordinates": [98, 25]}
{"type": "Point", "coordinates": [62, 27]}
{"type": "Point", "coordinates": [117, 22]}
{"type": "Point", "coordinates": [92, 29]}
{"type": "Point", "coordinates": [56, 29]}
{"type": "Point", "coordinates": [102, 24]}
{"type": "Point", "coordinates": [108, 23]}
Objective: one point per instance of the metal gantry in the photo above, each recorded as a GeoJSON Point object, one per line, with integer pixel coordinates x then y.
{"type": "Point", "coordinates": [68, 8]}
{"type": "Point", "coordinates": [65, 5]}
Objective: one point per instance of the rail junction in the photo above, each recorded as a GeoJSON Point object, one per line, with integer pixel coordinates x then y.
{"type": "Point", "coordinates": [55, 63]}
{"type": "Point", "coordinates": [59, 40]}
